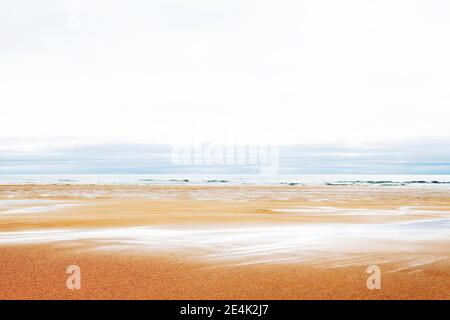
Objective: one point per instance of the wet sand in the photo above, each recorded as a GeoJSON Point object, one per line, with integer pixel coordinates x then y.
{"type": "Point", "coordinates": [231, 242]}
{"type": "Point", "coordinates": [38, 272]}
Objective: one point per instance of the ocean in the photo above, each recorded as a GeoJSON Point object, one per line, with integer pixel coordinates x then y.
{"type": "Point", "coordinates": [441, 181]}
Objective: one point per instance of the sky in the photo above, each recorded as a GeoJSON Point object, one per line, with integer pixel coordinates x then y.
{"type": "Point", "coordinates": [348, 74]}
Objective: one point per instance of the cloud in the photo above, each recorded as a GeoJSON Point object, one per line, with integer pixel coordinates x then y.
{"type": "Point", "coordinates": [412, 157]}
{"type": "Point", "coordinates": [175, 71]}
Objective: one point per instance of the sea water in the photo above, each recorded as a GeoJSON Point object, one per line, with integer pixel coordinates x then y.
{"type": "Point", "coordinates": [442, 181]}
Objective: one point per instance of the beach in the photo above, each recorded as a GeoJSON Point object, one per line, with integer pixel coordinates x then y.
{"type": "Point", "coordinates": [224, 241]}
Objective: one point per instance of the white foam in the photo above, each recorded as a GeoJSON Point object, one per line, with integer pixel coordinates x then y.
{"type": "Point", "coordinates": [39, 209]}
{"type": "Point", "coordinates": [360, 211]}
{"type": "Point", "coordinates": [257, 244]}
{"type": "Point", "coordinates": [32, 206]}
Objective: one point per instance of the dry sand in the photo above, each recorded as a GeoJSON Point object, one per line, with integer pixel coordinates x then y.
{"type": "Point", "coordinates": [231, 242]}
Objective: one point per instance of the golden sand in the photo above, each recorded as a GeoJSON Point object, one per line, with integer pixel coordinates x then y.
{"type": "Point", "coordinates": [230, 242]}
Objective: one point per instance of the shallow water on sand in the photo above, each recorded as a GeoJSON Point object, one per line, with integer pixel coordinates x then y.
{"type": "Point", "coordinates": [260, 244]}
{"type": "Point", "coordinates": [352, 223]}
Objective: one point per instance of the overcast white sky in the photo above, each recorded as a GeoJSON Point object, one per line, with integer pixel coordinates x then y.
{"type": "Point", "coordinates": [178, 71]}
